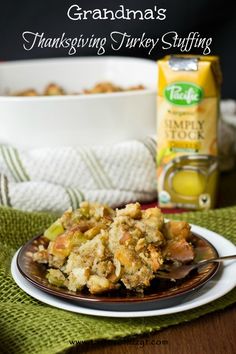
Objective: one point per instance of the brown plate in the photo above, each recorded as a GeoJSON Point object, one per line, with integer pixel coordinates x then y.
{"type": "Point", "coordinates": [161, 293]}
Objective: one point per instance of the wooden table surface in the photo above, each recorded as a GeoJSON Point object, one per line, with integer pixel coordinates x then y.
{"type": "Point", "coordinates": [210, 334]}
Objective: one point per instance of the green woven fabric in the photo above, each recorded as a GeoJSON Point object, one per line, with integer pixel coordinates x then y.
{"type": "Point", "coordinates": [28, 326]}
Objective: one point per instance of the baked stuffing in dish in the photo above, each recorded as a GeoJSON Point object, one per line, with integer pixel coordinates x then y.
{"type": "Point", "coordinates": [102, 249]}
{"type": "Point", "coordinates": [56, 90]}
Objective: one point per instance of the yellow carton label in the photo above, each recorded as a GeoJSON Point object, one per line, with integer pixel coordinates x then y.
{"type": "Point", "coordinates": [187, 114]}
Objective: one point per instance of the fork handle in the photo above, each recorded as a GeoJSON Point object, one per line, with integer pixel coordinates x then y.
{"type": "Point", "coordinates": [218, 259]}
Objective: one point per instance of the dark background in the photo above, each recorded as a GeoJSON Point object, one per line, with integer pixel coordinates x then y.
{"type": "Point", "coordinates": [212, 18]}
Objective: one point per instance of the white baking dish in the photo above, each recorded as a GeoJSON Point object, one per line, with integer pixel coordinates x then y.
{"type": "Point", "coordinates": [75, 120]}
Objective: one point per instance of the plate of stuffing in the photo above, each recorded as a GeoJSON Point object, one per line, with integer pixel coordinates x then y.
{"type": "Point", "coordinates": [98, 259]}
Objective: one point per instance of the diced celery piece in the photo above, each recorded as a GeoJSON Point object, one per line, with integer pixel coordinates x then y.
{"type": "Point", "coordinates": [55, 277]}
{"type": "Point", "coordinates": [54, 230]}
{"type": "Point", "coordinates": [78, 238]}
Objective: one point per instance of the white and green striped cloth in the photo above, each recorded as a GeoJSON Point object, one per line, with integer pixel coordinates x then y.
{"type": "Point", "coordinates": [48, 179]}
{"type": "Point", "coordinates": [53, 179]}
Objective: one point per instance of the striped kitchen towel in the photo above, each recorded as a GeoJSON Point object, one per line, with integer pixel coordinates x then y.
{"type": "Point", "coordinates": [53, 179]}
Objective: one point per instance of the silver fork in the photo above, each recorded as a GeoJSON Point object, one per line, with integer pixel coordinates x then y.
{"type": "Point", "coordinates": [175, 272]}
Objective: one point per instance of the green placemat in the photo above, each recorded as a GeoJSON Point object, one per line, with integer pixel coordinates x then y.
{"type": "Point", "coordinates": [28, 326]}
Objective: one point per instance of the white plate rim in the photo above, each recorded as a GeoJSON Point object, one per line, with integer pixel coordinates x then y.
{"type": "Point", "coordinates": [219, 288]}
